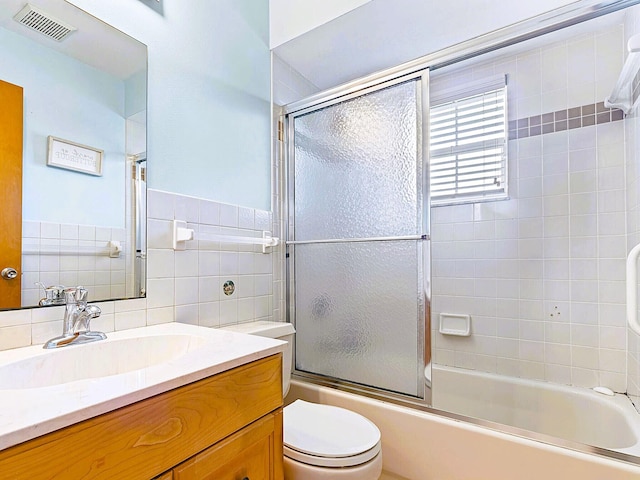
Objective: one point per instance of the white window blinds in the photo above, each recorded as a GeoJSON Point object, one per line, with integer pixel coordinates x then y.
{"type": "Point", "coordinates": [468, 144]}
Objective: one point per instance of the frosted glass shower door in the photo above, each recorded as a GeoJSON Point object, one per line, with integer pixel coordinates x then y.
{"type": "Point", "coordinates": [356, 239]}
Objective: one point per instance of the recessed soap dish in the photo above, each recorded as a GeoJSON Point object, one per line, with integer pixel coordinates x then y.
{"type": "Point", "coordinates": [455, 324]}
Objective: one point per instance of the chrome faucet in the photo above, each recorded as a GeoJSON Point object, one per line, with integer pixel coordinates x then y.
{"type": "Point", "coordinates": [53, 295]}
{"type": "Point", "coordinates": [77, 317]}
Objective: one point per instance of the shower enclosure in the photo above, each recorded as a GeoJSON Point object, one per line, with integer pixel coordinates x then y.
{"type": "Point", "coordinates": [536, 270]}
{"type": "Point", "coordinates": [358, 217]}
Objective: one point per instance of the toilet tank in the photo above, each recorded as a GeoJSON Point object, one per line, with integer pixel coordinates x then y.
{"type": "Point", "coordinates": [279, 330]}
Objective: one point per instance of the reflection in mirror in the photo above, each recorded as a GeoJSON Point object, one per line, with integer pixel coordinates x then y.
{"type": "Point", "coordinates": [82, 83]}
{"type": "Point", "coordinates": [540, 274]}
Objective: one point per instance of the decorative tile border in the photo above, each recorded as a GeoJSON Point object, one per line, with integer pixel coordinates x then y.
{"type": "Point", "coordinates": [577, 117]}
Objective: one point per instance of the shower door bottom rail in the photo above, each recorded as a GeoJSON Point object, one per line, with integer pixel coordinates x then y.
{"type": "Point", "coordinates": [359, 240]}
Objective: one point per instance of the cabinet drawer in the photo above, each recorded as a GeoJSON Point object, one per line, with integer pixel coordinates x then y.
{"type": "Point", "coordinates": [248, 454]}
{"type": "Point", "coordinates": [149, 437]}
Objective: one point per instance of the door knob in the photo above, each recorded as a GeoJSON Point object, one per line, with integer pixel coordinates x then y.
{"type": "Point", "coordinates": [9, 273]}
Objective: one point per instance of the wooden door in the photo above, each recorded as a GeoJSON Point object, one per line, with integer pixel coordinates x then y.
{"type": "Point", "coordinates": [11, 120]}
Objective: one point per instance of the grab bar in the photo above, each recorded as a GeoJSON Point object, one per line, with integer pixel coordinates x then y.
{"type": "Point", "coordinates": [113, 249]}
{"type": "Point", "coordinates": [632, 289]}
{"type": "Point", "coordinates": [182, 234]}
{"type": "Point", "coordinates": [358, 240]}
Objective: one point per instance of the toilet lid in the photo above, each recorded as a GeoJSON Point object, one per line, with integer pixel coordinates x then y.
{"type": "Point", "coordinates": [325, 431]}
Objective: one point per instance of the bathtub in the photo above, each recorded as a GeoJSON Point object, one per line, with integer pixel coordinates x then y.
{"type": "Point", "coordinates": [571, 413]}
{"type": "Point", "coordinates": [426, 445]}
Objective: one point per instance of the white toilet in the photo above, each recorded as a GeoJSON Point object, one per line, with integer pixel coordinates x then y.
{"type": "Point", "coordinates": [320, 441]}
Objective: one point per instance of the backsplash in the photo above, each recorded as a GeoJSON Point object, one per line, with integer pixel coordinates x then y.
{"type": "Point", "coordinates": [188, 285]}
{"type": "Point", "coordinates": [184, 286]}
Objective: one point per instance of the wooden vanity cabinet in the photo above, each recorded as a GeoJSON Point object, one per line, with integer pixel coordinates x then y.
{"type": "Point", "coordinates": [225, 427]}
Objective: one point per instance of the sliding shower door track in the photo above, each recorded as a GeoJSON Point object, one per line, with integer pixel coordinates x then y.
{"type": "Point", "coordinates": [421, 401]}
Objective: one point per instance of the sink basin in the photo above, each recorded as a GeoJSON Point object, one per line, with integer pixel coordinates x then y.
{"type": "Point", "coordinates": [45, 390]}
{"type": "Point", "coordinates": [96, 360]}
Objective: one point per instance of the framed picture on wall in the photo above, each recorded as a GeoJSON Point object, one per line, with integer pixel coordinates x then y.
{"type": "Point", "coordinates": [74, 156]}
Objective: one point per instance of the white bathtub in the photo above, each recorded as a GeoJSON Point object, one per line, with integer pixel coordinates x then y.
{"type": "Point", "coordinates": [571, 413]}
{"type": "Point", "coordinates": [419, 445]}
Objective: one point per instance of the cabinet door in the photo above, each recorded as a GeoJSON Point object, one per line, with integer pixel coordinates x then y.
{"type": "Point", "coordinates": [254, 453]}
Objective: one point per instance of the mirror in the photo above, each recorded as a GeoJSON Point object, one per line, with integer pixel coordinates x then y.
{"type": "Point", "coordinates": [540, 274]}
{"type": "Point", "coordinates": [83, 152]}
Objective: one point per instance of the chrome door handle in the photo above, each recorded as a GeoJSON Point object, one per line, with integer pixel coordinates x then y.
{"type": "Point", "coordinates": [9, 273]}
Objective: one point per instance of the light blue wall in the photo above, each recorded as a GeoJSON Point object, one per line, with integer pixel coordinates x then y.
{"type": "Point", "coordinates": [135, 94]}
{"type": "Point", "coordinates": [209, 94]}
{"type": "Point", "coordinates": [70, 100]}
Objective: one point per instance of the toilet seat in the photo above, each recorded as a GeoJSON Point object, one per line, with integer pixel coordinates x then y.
{"type": "Point", "coordinates": [328, 436]}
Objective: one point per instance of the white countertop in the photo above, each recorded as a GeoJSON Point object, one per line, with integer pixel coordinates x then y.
{"type": "Point", "coordinates": [26, 413]}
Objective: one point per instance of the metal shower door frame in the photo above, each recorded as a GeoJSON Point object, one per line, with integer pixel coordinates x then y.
{"type": "Point", "coordinates": [422, 77]}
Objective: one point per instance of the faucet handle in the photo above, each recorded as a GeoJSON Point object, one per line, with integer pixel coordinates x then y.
{"type": "Point", "coordinates": [70, 295]}
{"type": "Point", "coordinates": [75, 294]}
{"type": "Point", "coordinates": [53, 294]}
{"type": "Point", "coordinates": [81, 294]}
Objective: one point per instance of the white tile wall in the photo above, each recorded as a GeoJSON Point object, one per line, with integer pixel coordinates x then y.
{"type": "Point", "coordinates": [183, 286]}
{"type": "Point", "coordinates": [632, 124]}
{"type": "Point", "coordinates": [190, 281]}
{"type": "Point", "coordinates": [542, 274]}
{"type": "Point", "coordinates": [103, 276]}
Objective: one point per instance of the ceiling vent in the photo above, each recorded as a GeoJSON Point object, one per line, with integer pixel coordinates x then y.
{"type": "Point", "coordinates": [44, 23]}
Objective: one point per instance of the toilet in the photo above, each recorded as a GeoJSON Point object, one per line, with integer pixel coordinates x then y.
{"type": "Point", "coordinates": [320, 441]}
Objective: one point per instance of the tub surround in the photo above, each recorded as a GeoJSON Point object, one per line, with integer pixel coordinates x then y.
{"type": "Point", "coordinates": [632, 179]}
{"type": "Point", "coordinates": [24, 415]}
{"type": "Point", "coordinates": [542, 273]}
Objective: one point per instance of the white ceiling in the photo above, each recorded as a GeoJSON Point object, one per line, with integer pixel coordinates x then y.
{"type": "Point", "coordinates": [386, 33]}
{"type": "Point", "coordinates": [94, 43]}
{"type": "Point", "coordinates": [290, 18]}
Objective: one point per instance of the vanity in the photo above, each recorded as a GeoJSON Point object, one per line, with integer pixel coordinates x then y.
{"type": "Point", "coordinates": [213, 410]}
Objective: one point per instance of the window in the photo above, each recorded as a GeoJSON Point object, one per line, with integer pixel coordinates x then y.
{"type": "Point", "coordinates": [468, 144]}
